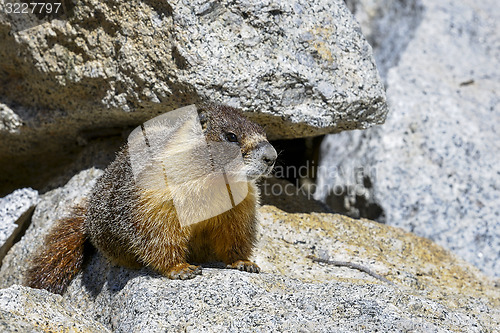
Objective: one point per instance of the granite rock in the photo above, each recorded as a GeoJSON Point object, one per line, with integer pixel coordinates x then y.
{"type": "Point", "coordinates": [24, 309]}
{"type": "Point", "coordinates": [300, 68]}
{"type": "Point", "coordinates": [296, 62]}
{"type": "Point", "coordinates": [433, 167]}
{"type": "Point", "coordinates": [388, 25]}
{"type": "Point", "coordinates": [15, 210]}
{"type": "Point", "coordinates": [432, 289]}
{"type": "Point", "coordinates": [9, 121]}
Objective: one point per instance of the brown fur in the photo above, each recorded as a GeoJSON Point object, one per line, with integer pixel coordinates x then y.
{"type": "Point", "coordinates": [62, 256]}
{"type": "Point", "coordinates": [228, 237]}
{"type": "Point", "coordinates": [134, 224]}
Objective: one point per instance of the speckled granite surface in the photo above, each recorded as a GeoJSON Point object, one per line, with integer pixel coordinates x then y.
{"type": "Point", "coordinates": [433, 166]}
{"type": "Point", "coordinates": [14, 209]}
{"type": "Point", "coordinates": [24, 309]}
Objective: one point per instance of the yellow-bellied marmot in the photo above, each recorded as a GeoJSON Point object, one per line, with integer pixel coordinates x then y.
{"type": "Point", "coordinates": [159, 204]}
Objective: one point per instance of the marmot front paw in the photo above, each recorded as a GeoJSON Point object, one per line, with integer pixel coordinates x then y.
{"type": "Point", "coordinates": [245, 265]}
{"type": "Point", "coordinates": [184, 271]}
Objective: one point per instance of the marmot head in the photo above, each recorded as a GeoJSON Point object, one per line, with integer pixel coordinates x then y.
{"type": "Point", "coordinates": [225, 124]}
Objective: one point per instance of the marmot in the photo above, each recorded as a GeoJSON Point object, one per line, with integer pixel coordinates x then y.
{"type": "Point", "coordinates": [159, 204]}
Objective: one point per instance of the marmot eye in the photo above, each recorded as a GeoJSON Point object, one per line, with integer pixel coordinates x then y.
{"type": "Point", "coordinates": [231, 137]}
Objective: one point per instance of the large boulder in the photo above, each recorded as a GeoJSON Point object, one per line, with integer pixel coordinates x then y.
{"type": "Point", "coordinates": [300, 68]}
{"type": "Point", "coordinates": [433, 167]}
{"type": "Point", "coordinates": [429, 288]}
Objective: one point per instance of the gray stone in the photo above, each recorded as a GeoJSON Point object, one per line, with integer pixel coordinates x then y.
{"type": "Point", "coordinates": [15, 210]}
{"type": "Point", "coordinates": [300, 68]}
{"type": "Point", "coordinates": [9, 121]}
{"type": "Point", "coordinates": [301, 62]}
{"type": "Point", "coordinates": [434, 290]}
{"type": "Point", "coordinates": [24, 309]}
{"type": "Point", "coordinates": [433, 167]}
{"type": "Point", "coordinates": [227, 301]}
{"type": "Point", "coordinates": [388, 25]}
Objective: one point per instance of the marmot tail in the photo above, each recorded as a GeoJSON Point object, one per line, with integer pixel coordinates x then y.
{"type": "Point", "coordinates": [62, 255]}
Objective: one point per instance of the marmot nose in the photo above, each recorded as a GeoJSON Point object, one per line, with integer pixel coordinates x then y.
{"type": "Point", "coordinates": [269, 154]}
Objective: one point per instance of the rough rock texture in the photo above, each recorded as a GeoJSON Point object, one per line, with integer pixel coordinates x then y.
{"type": "Point", "coordinates": [388, 25]}
{"type": "Point", "coordinates": [300, 68]}
{"type": "Point", "coordinates": [434, 290]}
{"type": "Point", "coordinates": [433, 167]}
{"type": "Point", "coordinates": [10, 122]}
{"type": "Point", "coordinates": [15, 210]}
{"type": "Point", "coordinates": [24, 309]}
